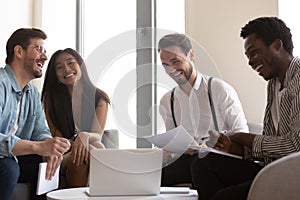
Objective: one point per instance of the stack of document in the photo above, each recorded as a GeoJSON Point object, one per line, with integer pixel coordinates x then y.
{"type": "Point", "coordinates": [178, 140]}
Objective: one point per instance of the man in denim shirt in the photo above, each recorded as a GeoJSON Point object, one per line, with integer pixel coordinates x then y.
{"type": "Point", "coordinates": [25, 139]}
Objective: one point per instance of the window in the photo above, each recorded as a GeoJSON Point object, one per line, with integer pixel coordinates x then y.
{"type": "Point", "coordinates": [110, 26]}
{"type": "Point", "coordinates": [59, 22]}
{"type": "Point", "coordinates": [109, 48]}
{"type": "Point", "coordinates": [110, 44]}
{"type": "Point", "coordinates": [173, 21]}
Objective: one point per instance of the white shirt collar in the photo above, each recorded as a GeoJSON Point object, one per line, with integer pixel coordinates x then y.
{"type": "Point", "coordinates": [197, 81]}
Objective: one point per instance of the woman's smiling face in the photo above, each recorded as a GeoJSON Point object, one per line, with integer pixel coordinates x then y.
{"type": "Point", "coordinates": [67, 69]}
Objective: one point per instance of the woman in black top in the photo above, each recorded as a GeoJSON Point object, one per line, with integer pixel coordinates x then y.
{"type": "Point", "coordinates": [75, 109]}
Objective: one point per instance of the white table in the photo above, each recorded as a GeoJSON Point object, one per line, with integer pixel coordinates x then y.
{"type": "Point", "coordinates": [80, 194]}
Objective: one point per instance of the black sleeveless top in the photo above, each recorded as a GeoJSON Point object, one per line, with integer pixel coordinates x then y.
{"type": "Point", "coordinates": [88, 111]}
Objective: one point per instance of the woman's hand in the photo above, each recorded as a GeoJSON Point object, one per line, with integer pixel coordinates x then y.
{"type": "Point", "coordinates": [80, 149]}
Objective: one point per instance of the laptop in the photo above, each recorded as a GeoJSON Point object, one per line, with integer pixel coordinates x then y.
{"type": "Point", "coordinates": [125, 172]}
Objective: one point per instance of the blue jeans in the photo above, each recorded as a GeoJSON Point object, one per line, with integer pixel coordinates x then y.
{"type": "Point", "coordinates": [25, 171]}
{"type": "Point", "coordinates": [9, 174]}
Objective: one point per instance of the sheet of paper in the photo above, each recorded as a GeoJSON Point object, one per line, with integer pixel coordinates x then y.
{"type": "Point", "coordinates": [203, 149]}
{"type": "Point", "coordinates": [44, 185]}
{"type": "Point", "coordinates": [177, 140]}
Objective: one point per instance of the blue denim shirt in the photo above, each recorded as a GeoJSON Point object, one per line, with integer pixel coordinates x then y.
{"type": "Point", "coordinates": [32, 123]}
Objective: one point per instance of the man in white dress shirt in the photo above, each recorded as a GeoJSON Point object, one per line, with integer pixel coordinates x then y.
{"type": "Point", "coordinates": [191, 106]}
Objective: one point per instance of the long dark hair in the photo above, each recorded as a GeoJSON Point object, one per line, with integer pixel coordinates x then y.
{"type": "Point", "coordinates": [56, 98]}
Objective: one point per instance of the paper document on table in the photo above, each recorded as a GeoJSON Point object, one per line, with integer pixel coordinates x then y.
{"type": "Point", "coordinates": [177, 140]}
{"type": "Point", "coordinates": [44, 185]}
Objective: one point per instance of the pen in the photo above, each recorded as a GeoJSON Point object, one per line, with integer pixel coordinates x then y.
{"type": "Point", "coordinates": [201, 139]}
{"type": "Point", "coordinates": [77, 130]}
{"type": "Point", "coordinates": [73, 137]}
{"type": "Point", "coordinates": [204, 138]}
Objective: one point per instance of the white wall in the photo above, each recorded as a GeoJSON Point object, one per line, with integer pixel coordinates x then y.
{"type": "Point", "coordinates": [19, 14]}
{"type": "Point", "coordinates": [14, 14]}
{"type": "Point", "coordinates": [216, 25]}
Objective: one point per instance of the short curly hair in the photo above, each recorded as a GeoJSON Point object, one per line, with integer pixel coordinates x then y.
{"type": "Point", "coordinates": [268, 29]}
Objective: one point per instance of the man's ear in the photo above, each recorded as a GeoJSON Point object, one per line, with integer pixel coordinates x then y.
{"type": "Point", "coordinates": [277, 44]}
{"type": "Point", "coordinates": [18, 51]}
{"type": "Point", "coordinates": [191, 55]}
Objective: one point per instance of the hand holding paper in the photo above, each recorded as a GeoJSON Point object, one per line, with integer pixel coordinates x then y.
{"type": "Point", "coordinates": [213, 138]}
{"type": "Point", "coordinates": [178, 140]}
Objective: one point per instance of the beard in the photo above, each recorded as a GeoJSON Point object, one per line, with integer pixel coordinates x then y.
{"type": "Point", "coordinates": [185, 78]}
{"type": "Point", "coordinates": [38, 74]}
{"type": "Point", "coordinates": [32, 69]}
{"type": "Point", "coordinates": [181, 81]}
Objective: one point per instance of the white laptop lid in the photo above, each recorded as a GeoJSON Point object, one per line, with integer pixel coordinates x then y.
{"type": "Point", "coordinates": [131, 172]}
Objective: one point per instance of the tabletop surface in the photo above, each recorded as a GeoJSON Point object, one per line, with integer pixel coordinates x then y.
{"type": "Point", "coordinates": [80, 194]}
